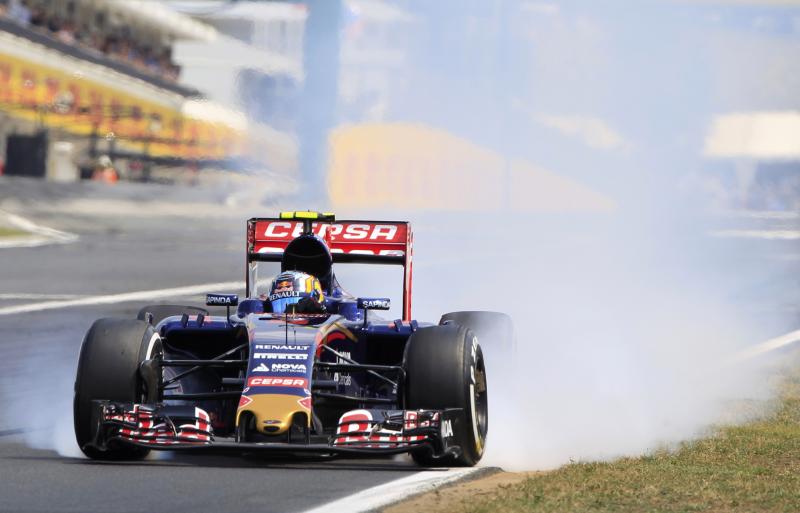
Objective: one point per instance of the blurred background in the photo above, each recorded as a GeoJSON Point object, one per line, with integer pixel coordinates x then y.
{"type": "Point", "coordinates": [631, 171]}
{"type": "Point", "coordinates": [524, 105]}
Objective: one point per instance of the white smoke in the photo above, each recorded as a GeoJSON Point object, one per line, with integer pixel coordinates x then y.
{"type": "Point", "coordinates": [618, 351]}
{"type": "Point", "coordinates": [622, 340]}
{"type": "Point", "coordinates": [37, 391]}
{"type": "Point", "coordinates": [624, 319]}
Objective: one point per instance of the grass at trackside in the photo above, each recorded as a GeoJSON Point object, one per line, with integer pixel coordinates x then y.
{"type": "Point", "coordinates": [11, 232]}
{"type": "Point", "coordinates": [749, 468]}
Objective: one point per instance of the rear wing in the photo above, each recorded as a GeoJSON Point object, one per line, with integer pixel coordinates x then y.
{"type": "Point", "coordinates": [358, 242]}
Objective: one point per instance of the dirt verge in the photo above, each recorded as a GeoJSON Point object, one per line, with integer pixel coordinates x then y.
{"type": "Point", "coordinates": [456, 496]}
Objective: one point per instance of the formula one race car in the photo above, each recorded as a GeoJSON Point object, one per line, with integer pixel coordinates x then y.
{"type": "Point", "coordinates": [300, 367]}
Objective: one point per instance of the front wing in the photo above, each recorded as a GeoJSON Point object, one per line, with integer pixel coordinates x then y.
{"type": "Point", "coordinates": [359, 432]}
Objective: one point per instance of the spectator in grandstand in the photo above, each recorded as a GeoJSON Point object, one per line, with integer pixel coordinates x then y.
{"type": "Point", "coordinates": [54, 24]}
{"type": "Point", "coordinates": [151, 61]}
{"type": "Point", "coordinates": [19, 12]}
{"type": "Point", "coordinates": [66, 34]}
{"type": "Point", "coordinates": [118, 42]}
{"type": "Point", "coordinates": [38, 17]}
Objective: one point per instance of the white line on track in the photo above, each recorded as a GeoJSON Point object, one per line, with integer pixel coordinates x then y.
{"type": "Point", "coordinates": [759, 234]}
{"type": "Point", "coordinates": [42, 234]}
{"type": "Point", "coordinates": [25, 295]}
{"type": "Point", "coordinates": [393, 491]}
{"type": "Point", "coordinates": [767, 346]}
{"type": "Point", "coordinates": [144, 295]}
{"type": "Point", "coordinates": [24, 242]}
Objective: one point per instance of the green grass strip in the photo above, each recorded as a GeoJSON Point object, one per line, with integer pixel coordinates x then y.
{"type": "Point", "coordinates": [12, 232]}
{"type": "Point", "coordinates": [750, 468]}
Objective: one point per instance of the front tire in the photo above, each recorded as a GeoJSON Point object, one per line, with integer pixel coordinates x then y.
{"type": "Point", "coordinates": [445, 369]}
{"type": "Point", "coordinates": [108, 369]}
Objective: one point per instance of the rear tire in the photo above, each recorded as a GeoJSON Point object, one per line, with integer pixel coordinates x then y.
{"type": "Point", "coordinates": [161, 312]}
{"type": "Point", "coordinates": [445, 369]}
{"type": "Point", "coordinates": [108, 368]}
{"type": "Point", "coordinates": [495, 330]}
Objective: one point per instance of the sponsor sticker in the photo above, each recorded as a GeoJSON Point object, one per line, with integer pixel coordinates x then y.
{"type": "Point", "coordinates": [271, 381]}
{"type": "Point", "coordinates": [281, 367]}
{"type": "Point", "coordinates": [343, 378]}
{"type": "Point", "coordinates": [244, 401]}
{"type": "Point", "coordinates": [280, 347]}
{"type": "Point", "coordinates": [349, 231]}
{"type": "Point", "coordinates": [447, 429]}
{"type": "Point", "coordinates": [283, 295]}
{"type": "Point", "coordinates": [278, 356]}
{"type": "Point", "coordinates": [222, 299]}
{"type": "Point", "coordinates": [288, 367]}
{"type": "Point", "coordinates": [374, 303]}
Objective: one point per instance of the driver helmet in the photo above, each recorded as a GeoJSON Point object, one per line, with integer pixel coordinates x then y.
{"type": "Point", "coordinates": [295, 292]}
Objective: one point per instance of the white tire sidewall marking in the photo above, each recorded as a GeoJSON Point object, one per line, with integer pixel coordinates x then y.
{"type": "Point", "coordinates": [149, 353]}
{"type": "Point", "coordinates": [473, 412]}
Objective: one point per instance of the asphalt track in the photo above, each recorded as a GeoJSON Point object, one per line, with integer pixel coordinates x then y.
{"type": "Point", "coordinates": [40, 468]}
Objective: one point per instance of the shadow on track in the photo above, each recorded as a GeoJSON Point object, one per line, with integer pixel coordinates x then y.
{"type": "Point", "coordinates": [217, 461]}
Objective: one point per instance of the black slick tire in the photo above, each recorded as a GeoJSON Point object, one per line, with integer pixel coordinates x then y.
{"type": "Point", "coordinates": [445, 369]}
{"type": "Point", "coordinates": [108, 368]}
{"type": "Point", "coordinates": [495, 330]}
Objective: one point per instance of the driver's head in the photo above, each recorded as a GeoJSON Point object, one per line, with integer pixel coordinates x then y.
{"type": "Point", "coordinates": [295, 292]}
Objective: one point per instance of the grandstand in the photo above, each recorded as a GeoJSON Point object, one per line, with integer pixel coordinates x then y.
{"type": "Point", "coordinates": [82, 79]}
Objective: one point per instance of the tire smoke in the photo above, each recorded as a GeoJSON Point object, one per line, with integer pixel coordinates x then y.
{"type": "Point", "coordinates": [624, 315]}
{"type": "Point", "coordinates": [622, 338]}
{"type": "Point", "coordinates": [621, 342]}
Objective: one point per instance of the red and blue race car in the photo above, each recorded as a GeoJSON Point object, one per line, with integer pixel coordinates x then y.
{"type": "Point", "coordinates": [297, 366]}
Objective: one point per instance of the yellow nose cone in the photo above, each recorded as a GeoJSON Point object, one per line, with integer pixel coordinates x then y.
{"type": "Point", "coordinates": [273, 411]}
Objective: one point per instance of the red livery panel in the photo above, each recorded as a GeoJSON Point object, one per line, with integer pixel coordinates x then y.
{"type": "Point", "coordinates": [366, 238]}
